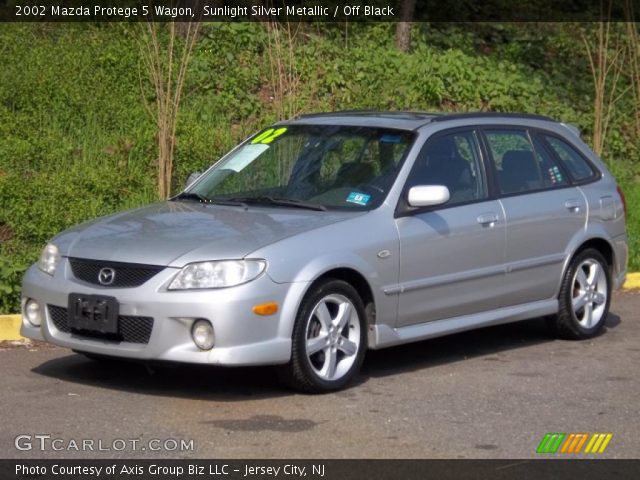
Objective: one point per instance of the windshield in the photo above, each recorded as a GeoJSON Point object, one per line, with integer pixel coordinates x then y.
{"type": "Point", "coordinates": [308, 166]}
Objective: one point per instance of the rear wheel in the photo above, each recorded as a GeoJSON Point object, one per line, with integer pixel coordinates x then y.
{"type": "Point", "coordinates": [329, 339]}
{"type": "Point", "coordinates": [584, 297]}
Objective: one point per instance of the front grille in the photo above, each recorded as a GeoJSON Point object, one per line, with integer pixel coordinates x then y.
{"type": "Point", "coordinates": [130, 329]}
{"type": "Point", "coordinates": [59, 318]}
{"type": "Point", "coordinates": [125, 274]}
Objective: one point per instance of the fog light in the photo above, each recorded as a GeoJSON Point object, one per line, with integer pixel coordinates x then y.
{"type": "Point", "coordinates": [32, 312]}
{"type": "Point", "coordinates": [202, 334]}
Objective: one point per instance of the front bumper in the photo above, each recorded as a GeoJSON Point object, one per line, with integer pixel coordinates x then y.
{"type": "Point", "coordinates": [241, 337]}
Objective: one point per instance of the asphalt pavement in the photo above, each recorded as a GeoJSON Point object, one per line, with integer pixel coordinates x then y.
{"type": "Point", "coordinates": [490, 393]}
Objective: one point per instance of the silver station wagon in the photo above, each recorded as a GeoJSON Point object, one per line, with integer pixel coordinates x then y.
{"type": "Point", "coordinates": [329, 234]}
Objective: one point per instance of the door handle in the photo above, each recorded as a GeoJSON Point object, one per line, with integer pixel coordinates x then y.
{"type": "Point", "coordinates": [488, 219]}
{"type": "Point", "coordinates": [572, 205]}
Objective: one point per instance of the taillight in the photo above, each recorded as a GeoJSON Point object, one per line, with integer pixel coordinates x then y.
{"type": "Point", "coordinates": [622, 199]}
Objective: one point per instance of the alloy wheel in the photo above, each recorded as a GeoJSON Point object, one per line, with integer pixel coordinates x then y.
{"type": "Point", "coordinates": [332, 337]}
{"type": "Point", "coordinates": [590, 292]}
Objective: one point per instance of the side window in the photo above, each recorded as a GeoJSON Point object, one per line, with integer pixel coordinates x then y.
{"type": "Point", "coordinates": [570, 158]}
{"type": "Point", "coordinates": [552, 175]}
{"type": "Point", "coordinates": [452, 160]}
{"type": "Point", "coordinates": [520, 167]}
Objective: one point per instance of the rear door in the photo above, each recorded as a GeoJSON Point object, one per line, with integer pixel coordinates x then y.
{"type": "Point", "coordinates": [451, 256]}
{"type": "Point", "coordinates": [543, 212]}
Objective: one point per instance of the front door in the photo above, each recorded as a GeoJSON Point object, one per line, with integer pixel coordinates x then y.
{"type": "Point", "coordinates": [452, 255]}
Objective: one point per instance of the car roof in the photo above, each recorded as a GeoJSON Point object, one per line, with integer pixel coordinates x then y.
{"type": "Point", "coordinates": [405, 120]}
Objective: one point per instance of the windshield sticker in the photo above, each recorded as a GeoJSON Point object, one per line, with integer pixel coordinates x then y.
{"type": "Point", "coordinates": [268, 136]}
{"type": "Point", "coordinates": [358, 198]}
{"type": "Point", "coordinates": [245, 156]}
{"type": "Point", "coordinates": [390, 139]}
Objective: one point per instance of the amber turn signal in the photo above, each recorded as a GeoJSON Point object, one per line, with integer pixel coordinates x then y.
{"type": "Point", "coordinates": [265, 308]}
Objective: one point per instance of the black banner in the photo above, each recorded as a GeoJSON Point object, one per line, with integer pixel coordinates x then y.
{"type": "Point", "coordinates": [317, 10]}
{"type": "Point", "coordinates": [547, 469]}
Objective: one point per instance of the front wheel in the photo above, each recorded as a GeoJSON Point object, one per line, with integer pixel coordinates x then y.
{"type": "Point", "coordinates": [584, 297]}
{"type": "Point", "coordinates": [329, 339]}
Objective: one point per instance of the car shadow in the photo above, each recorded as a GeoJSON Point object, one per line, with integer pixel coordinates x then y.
{"type": "Point", "coordinates": [197, 382]}
{"type": "Point", "coordinates": [483, 342]}
{"type": "Point", "coordinates": [200, 382]}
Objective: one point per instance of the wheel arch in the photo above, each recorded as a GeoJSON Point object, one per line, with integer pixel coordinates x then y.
{"type": "Point", "coordinates": [358, 282]}
{"type": "Point", "coordinates": [602, 246]}
{"type": "Point", "coordinates": [598, 243]}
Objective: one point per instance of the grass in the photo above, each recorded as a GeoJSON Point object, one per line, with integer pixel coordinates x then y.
{"type": "Point", "coordinates": [632, 196]}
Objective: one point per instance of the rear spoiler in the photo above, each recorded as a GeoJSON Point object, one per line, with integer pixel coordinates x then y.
{"type": "Point", "coordinates": [572, 128]}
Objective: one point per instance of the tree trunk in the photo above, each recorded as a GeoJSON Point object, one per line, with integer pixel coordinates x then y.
{"type": "Point", "coordinates": [403, 29]}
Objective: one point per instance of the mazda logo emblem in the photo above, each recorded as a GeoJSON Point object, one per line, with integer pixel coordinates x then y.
{"type": "Point", "coordinates": [106, 276]}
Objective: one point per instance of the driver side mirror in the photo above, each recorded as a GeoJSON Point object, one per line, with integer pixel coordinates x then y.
{"type": "Point", "coordinates": [193, 176]}
{"type": "Point", "coordinates": [427, 195]}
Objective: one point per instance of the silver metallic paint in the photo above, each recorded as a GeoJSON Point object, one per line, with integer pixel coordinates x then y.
{"type": "Point", "coordinates": [441, 274]}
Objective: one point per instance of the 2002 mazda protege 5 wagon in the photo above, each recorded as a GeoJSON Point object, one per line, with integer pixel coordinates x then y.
{"type": "Point", "coordinates": [329, 234]}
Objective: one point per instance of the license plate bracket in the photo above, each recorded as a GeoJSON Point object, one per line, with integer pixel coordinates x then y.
{"type": "Point", "coordinates": [94, 313]}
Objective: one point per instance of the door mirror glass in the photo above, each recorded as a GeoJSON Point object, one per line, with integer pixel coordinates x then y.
{"type": "Point", "coordinates": [427, 195]}
{"type": "Point", "coordinates": [193, 176]}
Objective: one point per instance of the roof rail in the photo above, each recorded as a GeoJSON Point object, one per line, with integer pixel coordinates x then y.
{"type": "Point", "coordinates": [371, 113]}
{"type": "Point", "coordinates": [456, 116]}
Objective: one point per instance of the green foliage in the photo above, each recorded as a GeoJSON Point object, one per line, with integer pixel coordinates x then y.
{"type": "Point", "coordinates": [627, 173]}
{"type": "Point", "coordinates": [11, 272]}
{"type": "Point", "coordinates": [76, 141]}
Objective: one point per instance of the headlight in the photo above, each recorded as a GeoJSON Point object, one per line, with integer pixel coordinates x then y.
{"type": "Point", "coordinates": [223, 273]}
{"type": "Point", "coordinates": [49, 259]}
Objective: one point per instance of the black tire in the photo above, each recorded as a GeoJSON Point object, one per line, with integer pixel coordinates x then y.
{"type": "Point", "coordinates": [300, 373]}
{"type": "Point", "coordinates": [566, 324]}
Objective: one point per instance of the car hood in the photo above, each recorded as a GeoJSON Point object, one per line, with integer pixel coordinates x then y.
{"type": "Point", "coordinates": [176, 233]}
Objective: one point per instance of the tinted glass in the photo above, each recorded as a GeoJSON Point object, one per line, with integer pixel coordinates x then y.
{"type": "Point", "coordinates": [520, 167]}
{"type": "Point", "coordinates": [552, 175]}
{"type": "Point", "coordinates": [331, 166]}
{"type": "Point", "coordinates": [570, 158]}
{"type": "Point", "coordinates": [451, 160]}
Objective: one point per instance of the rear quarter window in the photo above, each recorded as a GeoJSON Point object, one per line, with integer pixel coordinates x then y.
{"type": "Point", "coordinates": [571, 159]}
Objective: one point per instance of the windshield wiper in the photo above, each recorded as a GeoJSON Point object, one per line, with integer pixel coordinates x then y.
{"type": "Point", "coordinates": [232, 202]}
{"type": "Point", "coordinates": [215, 200]}
{"type": "Point", "coordinates": [281, 202]}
